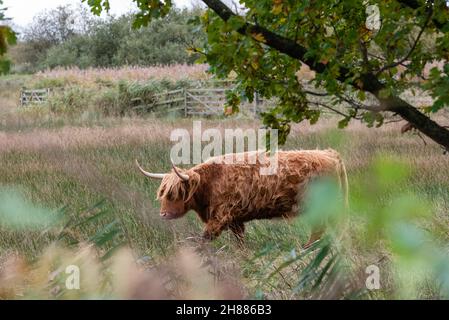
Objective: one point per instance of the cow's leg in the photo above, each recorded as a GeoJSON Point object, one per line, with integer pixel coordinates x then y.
{"type": "Point", "coordinates": [238, 229]}
{"type": "Point", "coordinates": [212, 230]}
{"type": "Point", "coordinates": [215, 226]}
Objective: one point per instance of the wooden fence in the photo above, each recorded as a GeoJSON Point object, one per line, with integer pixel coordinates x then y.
{"type": "Point", "coordinates": [33, 96]}
{"type": "Point", "coordinates": [199, 101]}
{"type": "Point", "coordinates": [206, 100]}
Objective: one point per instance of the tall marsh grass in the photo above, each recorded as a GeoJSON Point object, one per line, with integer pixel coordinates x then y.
{"type": "Point", "coordinates": [95, 76]}
{"type": "Point", "coordinates": [86, 176]}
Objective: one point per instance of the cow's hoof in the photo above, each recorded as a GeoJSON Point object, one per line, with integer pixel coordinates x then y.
{"type": "Point", "coordinates": [207, 236]}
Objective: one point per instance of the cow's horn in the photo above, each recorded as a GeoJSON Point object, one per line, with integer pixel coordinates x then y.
{"type": "Point", "coordinates": [149, 174]}
{"type": "Point", "coordinates": [182, 176]}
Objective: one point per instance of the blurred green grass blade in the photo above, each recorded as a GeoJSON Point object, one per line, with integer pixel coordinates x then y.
{"type": "Point", "coordinates": [109, 253]}
{"type": "Point", "coordinates": [309, 273]}
{"type": "Point", "coordinates": [105, 234]}
{"type": "Point", "coordinates": [93, 218]}
{"type": "Point", "coordinates": [329, 266]}
{"type": "Point", "coordinates": [287, 263]}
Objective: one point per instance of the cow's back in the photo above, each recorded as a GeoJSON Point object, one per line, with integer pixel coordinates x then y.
{"type": "Point", "coordinates": [241, 190]}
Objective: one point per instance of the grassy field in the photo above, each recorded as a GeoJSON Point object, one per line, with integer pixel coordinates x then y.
{"type": "Point", "coordinates": [81, 168]}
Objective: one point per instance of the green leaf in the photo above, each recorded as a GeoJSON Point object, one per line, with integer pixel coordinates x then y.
{"type": "Point", "coordinates": [236, 22]}
{"type": "Point", "coordinates": [343, 123]}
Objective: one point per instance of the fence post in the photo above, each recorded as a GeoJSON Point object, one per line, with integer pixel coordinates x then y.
{"type": "Point", "coordinates": [256, 102]}
{"type": "Point", "coordinates": [21, 96]}
{"type": "Point", "coordinates": [185, 102]}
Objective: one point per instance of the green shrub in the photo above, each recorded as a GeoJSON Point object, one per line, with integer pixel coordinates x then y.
{"type": "Point", "coordinates": [111, 42]}
{"type": "Point", "coordinates": [44, 83]}
{"type": "Point", "coordinates": [72, 100]}
{"type": "Point", "coordinates": [74, 52]}
{"type": "Point", "coordinates": [107, 102]}
{"type": "Point", "coordinates": [125, 98]}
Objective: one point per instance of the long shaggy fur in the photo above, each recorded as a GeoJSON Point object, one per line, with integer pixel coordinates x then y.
{"type": "Point", "coordinates": [228, 195]}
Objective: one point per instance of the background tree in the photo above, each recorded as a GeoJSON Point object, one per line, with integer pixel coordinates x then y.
{"type": "Point", "coordinates": [7, 37]}
{"type": "Point", "coordinates": [366, 68]}
{"type": "Point", "coordinates": [52, 40]}
{"type": "Point", "coordinates": [50, 28]}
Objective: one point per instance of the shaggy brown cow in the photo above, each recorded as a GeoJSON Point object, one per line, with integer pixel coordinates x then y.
{"type": "Point", "coordinates": [228, 195]}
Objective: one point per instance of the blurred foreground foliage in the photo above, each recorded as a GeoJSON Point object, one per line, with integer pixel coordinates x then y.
{"type": "Point", "coordinates": [381, 217]}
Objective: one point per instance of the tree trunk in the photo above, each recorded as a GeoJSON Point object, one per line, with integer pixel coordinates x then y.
{"type": "Point", "coordinates": [419, 121]}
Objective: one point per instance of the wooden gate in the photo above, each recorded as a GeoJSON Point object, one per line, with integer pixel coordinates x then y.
{"type": "Point", "coordinates": [205, 102]}
{"type": "Point", "coordinates": [33, 96]}
{"type": "Point", "coordinates": [198, 101]}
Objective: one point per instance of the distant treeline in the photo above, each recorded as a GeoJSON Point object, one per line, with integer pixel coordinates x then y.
{"type": "Point", "coordinates": [73, 37]}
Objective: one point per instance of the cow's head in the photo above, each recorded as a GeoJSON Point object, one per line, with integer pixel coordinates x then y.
{"type": "Point", "coordinates": [176, 190]}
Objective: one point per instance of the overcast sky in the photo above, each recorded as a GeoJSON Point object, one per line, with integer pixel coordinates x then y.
{"type": "Point", "coordinates": [22, 11]}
